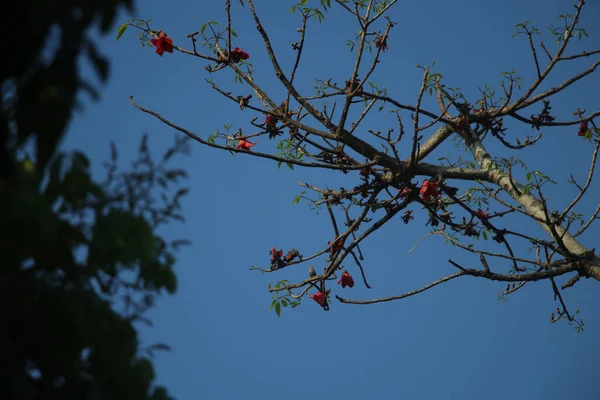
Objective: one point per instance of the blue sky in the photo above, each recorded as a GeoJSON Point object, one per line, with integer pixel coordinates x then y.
{"type": "Point", "coordinates": [455, 341]}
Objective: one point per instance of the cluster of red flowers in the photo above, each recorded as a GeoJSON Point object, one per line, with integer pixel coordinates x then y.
{"type": "Point", "coordinates": [163, 43]}
{"type": "Point", "coordinates": [278, 260]}
{"type": "Point", "coordinates": [429, 190]}
{"type": "Point", "coordinates": [238, 55]}
{"type": "Point", "coordinates": [583, 127]}
{"type": "Point", "coordinates": [245, 144]}
{"type": "Point", "coordinates": [321, 298]}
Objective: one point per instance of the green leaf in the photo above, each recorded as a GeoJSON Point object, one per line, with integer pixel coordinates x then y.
{"type": "Point", "coordinates": [588, 134]}
{"type": "Point", "coordinates": [121, 30]}
{"type": "Point", "coordinates": [298, 198]}
{"type": "Point", "coordinates": [203, 28]}
{"type": "Point", "coordinates": [278, 309]}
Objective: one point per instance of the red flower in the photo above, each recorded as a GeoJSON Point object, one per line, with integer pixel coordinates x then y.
{"type": "Point", "coordinates": [163, 43]}
{"type": "Point", "coordinates": [336, 245]}
{"type": "Point", "coordinates": [293, 253]}
{"type": "Point", "coordinates": [346, 280]}
{"type": "Point", "coordinates": [405, 192]}
{"type": "Point", "coordinates": [482, 214]}
{"type": "Point", "coordinates": [276, 254]}
{"type": "Point", "coordinates": [429, 190]}
{"type": "Point", "coordinates": [245, 144]}
{"type": "Point", "coordinates": [583, 127]}
{"type": "Point", "coordinates": [320, 298]}
{"type": "Point", "coordinates": [271, 122]}
{"type": "Point", "coordinates": [238, 54]}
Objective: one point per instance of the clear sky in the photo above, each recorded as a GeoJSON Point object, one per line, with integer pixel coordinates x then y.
{"type": "Point", "coordinates": [456, 341]}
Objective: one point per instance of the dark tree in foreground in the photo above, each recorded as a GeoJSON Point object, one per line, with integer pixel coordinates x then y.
{"type": "Point", "coordinates": [80, 260]}
{"type": "Point", "coordinates": [467, 201]}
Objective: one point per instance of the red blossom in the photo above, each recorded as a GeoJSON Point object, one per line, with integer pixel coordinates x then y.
{"type": "Point", "coordinates": [163, 43]}
{"type": "Point", "coordinates": [271, 122]}
{"type": "Point", "coordinates": [238, 54]}
{"type": "Point", "coordinates": [320, 298]}
{"type": "Point", "coordinates": [336, 245]}
{"type": "Point", "coordinates": [245, 144]}
{"type": "Point", "coordinates": [276, 254]}
{"type": "Point", "coordinates": [429, 190]}
{"type": "Point", "coordinates": [482, 214]}
{"type": "Point", "coordinates": [405, 192]}
{"type": "Point", "coordinates": [583, 127]}
{"type": "Point", "coordinates": [291, 255]}
{"type": "Point", "coordinates": [346, 280]}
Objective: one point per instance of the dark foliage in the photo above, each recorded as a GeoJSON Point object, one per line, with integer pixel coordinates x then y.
{"type": "Point", "coordinates": [80, 260]}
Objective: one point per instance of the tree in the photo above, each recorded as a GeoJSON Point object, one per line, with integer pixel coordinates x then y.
{"type": "Point", "coordinates": [81, 260]}
{"type": "Point", "coordinates": [325, 130]}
